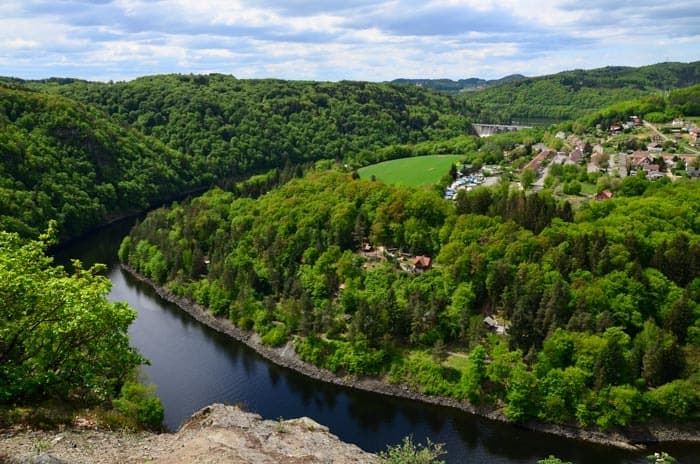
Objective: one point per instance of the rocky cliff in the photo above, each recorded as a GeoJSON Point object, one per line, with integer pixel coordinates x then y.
{"type": "Point", "coordinates": [215, 434]}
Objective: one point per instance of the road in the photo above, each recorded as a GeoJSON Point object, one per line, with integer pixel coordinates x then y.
{"type": "Point", "coordinates": [664, 138]}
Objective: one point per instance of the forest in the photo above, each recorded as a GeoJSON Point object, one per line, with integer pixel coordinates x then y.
{"type": "Point", "coordinates": [601, 307]}
{"type": "Point", "coordinates": [82, 153]}
{"type": "Point", "coordinates": [599, 304]}
{"type": "Point", "coordinates": [571, 94]}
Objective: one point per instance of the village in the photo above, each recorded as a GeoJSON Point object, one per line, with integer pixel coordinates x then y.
{"type": "Point", "coordinates": [632, 147]}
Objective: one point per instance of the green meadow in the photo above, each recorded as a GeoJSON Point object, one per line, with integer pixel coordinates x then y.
{"type": "Point", "coordinates": [416, 171]}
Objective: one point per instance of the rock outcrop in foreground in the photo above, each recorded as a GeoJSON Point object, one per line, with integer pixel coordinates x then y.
{"type": "Point", "coordinates": [215, 434]}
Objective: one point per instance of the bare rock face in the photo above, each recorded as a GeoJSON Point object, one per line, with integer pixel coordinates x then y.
{"type": "Point", "coordinates": [215, 434]}
{"type": "Point", "coordinates": [226, 434]}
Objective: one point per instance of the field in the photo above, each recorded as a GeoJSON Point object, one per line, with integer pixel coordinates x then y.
{"type": "Point", "coordinates": [414, 172]}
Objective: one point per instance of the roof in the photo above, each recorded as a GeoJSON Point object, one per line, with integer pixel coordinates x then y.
{"type": "Point", "coordinates": [422, 262]}
{"type": "Point", "coordinates": [604, 195]}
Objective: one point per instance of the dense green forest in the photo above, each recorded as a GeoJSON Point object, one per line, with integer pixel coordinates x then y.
{"type": "Point", "coordinates": [165, 135]}
{"type": "Point", "coordinates": [655, 108]}
{"type": "Point", "coordinates": [602, 308]}
{"type": "Point", "coordinates": [247, 125]}
{"type": "Point", "coordinates": [571, 94]}
{"type": "Point", "coordinates": [66, 161]}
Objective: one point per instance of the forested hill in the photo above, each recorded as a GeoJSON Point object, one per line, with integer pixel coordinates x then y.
{"type": "Point", "coordinates": [454, 87]}
{"type": "Point", "coordinates": [250, 125]}
{"type": "Point", "coordinates": [80, 152]}
{"type": "Point", "coordinates": [602, 312]}
{"type": "Point", "coordinates": [66, 161]}
{"type": "Point", "coordinates": [570, 94]}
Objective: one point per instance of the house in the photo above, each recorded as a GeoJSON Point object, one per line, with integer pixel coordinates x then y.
{"type": "Point", "coordinates": [654, 175]}
{"type": "Point", "coordinates": [576, 155]}
{"type": "Point", "coordinates": [639, 159]}
{"type": "Point", "coordinates": [592, 168]}
{"type": "Point", "coordinates": [694, 134]}
{"type": "Point", "coordinates": [422, 263]}
{"type": "Point", "coordinates": [693, 172]}
{"type": "Point", "coordinates": [655, 147]}
{"type": "Point", "coordinates": [604, 195]}
{"type": "Point", "coordinates": [494, 326]}
{"type": "Point", "coordinates": [615, 129]}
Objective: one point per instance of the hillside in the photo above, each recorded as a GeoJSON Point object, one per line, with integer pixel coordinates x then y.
{"type": "Point", "coordinates": [82, 152]}
{"type": "Point", "coordinates": [242, 126]}
{"type": "Point", "coordinates": [570, 94]}
{"type": "Point", "coordinates": [67, 161]}
{"type": "Point", "coordinates": [600, 310]}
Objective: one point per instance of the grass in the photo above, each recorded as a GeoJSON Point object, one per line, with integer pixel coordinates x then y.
{"type": "Point", "coordinates": [413, 172]}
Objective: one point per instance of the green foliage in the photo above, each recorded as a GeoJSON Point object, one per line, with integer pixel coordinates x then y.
{"type": "Point", "coordinates": [571, 94]}
{"type": "Point", "coordinates": [422, 372]}
{"type": "Point", "coordinates": [69, 162]}
{"type": "Point", "coordinates": [410, 453]}
{"type": "Point", "coordinates": [342, 357]}
{"type": "Point", "coordinates": [139, 403]}
{"type": "Point", "coordinates": [97, 151]}
{"type": "Point", "coordinates": [552, 460]}
{"type": "Point", "coordinates": [59, 335]}
{"type": "Point", "coordinates": [527, 177]}
{"type": "Point", "coordinates": [232, 127]}
{"type": "Point", "coordinates": [276, 336]}
{"type": "Point", "coordinates": [661, 458]}
{"type": "Point", "coordinates": [600, 308]}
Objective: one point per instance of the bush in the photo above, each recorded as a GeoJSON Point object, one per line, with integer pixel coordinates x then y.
{"type": "Point", "coordinates": [410, 453]}
{"type": "Point", "coordinates": [572, 188]}
{"type": "Point", "coordinates": [277, 336]}
{"type": "Point", "coordinates": [138, 402]}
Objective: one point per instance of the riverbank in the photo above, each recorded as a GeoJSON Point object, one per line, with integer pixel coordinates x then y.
{"type": "Point", "coordinates": [215, 434]}
{"type": "Point", "coordinates": [633, 438]}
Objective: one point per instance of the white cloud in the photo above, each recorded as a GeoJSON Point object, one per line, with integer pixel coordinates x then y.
{"type": "Point", "coordinates": [355, 39]}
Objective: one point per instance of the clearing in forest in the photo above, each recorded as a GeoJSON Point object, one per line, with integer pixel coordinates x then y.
{"type": "Point", "coordinates": [415, 171]}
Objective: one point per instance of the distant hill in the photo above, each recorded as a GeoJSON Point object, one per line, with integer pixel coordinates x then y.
{"type": "Point", "coordinates": [454, 87]}
{"type": "Point", "coordinates": [242, 126]}
{"type": "Point", "coordinates": [82, 152]}
{"type": "Point", "coordinates": [570, 94]}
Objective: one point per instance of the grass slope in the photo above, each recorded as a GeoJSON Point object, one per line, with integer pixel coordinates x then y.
{"type": "Point", "coordinates": [417, 171]}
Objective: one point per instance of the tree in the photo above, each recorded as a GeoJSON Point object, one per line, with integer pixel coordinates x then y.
{"type": "Point", "coordinates": [612, 366]}
{"type": "Point", "coordinates": [60, 336]}
{"type": "Point", "coordinates": [527, 178]}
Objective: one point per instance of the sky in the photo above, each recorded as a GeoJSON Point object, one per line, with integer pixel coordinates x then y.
{"type": "Point", "coordinates": [331, 40]}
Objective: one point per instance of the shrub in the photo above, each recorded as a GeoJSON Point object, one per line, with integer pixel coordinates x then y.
{"type": "Point", "coordinates": [138, 402]}
{"type": "Point", "coordinates": [410, 453]}
{"type": "Point", "coordinates": [276, 336]}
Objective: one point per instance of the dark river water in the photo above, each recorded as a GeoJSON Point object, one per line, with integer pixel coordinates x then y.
{"type": "Point", "coordinates": [193, 366]}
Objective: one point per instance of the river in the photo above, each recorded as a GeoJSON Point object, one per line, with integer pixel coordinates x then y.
{"type": "Point", "coordinates": [193, 366]}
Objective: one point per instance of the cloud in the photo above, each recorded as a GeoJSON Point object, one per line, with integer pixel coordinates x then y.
{"type": "Point", "coordinates": [324, 40]}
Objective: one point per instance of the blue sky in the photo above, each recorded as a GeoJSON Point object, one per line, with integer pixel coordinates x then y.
{"type": "Point", "coordinates": [334, 40]}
